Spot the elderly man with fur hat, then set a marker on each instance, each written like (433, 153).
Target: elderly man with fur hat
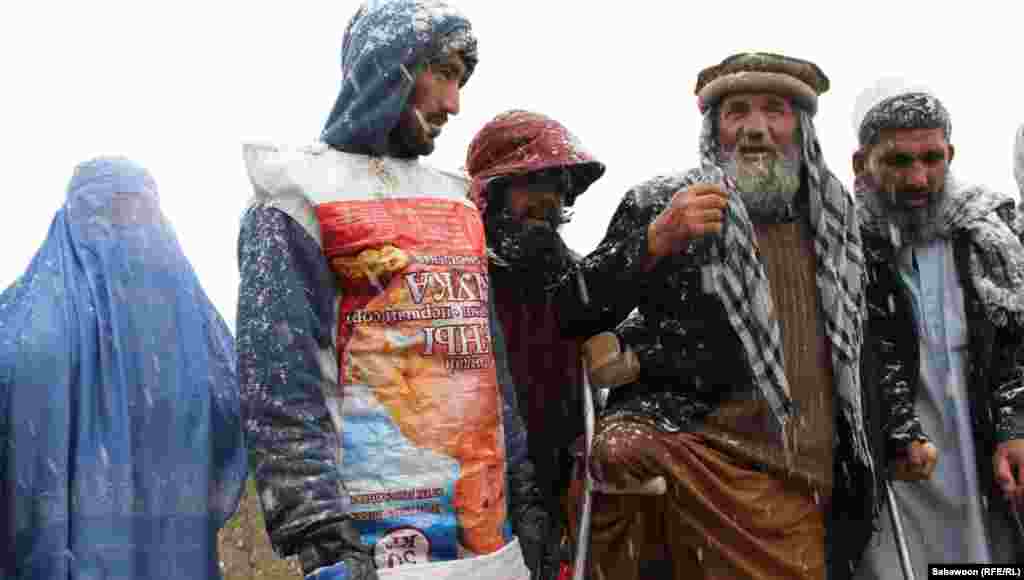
(952, 253)
(749, 285)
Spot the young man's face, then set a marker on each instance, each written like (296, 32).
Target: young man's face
(909, 165)
(435, 96)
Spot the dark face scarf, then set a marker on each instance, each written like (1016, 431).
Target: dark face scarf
(532, 250)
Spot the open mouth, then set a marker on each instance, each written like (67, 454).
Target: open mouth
(756, 153)
(916, 200)
(541, 215)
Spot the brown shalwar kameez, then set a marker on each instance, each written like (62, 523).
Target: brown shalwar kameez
(736, 507)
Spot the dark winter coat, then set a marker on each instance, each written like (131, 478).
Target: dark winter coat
(688, 355)
(995, 368)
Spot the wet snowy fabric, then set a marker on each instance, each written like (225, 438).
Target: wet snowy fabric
(954, 492)
(121, 450)
(740, 281)
(684, 327)
(723, 519)
(524, 261)
(520, 142)
(742, 427)
(406, 378)
(384, 47)
(996, 253)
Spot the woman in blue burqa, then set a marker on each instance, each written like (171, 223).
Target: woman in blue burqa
(121, 450)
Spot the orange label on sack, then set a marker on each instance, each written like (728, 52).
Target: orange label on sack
(414, 341)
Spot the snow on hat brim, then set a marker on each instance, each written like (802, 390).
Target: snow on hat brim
(759, 82)
(884, 88)
(798, 79)
(518, 142)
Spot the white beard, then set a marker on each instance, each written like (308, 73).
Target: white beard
(767, 185)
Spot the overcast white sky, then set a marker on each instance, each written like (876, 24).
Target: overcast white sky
(178, 86)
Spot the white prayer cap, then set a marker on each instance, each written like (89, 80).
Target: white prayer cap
(896, 103)
(884, 88)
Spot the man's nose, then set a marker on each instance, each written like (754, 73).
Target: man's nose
(756, 127)
(450, 98)
(917, 176)
(544, 202)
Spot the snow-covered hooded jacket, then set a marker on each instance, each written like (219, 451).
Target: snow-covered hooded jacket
(307, 407)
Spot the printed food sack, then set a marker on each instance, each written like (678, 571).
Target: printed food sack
(417, 402)
(423, 446)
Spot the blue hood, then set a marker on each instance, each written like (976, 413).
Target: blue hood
(121, 448)
(386, 43)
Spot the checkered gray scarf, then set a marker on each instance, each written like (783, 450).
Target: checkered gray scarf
(735, 273)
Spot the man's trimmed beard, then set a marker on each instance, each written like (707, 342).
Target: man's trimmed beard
(767, 185)
(413, 136)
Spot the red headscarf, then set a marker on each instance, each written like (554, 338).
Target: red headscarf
(518, 142)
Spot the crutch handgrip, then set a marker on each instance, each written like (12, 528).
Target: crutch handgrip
(609, 364)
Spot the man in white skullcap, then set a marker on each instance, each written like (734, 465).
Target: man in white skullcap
(955, 256)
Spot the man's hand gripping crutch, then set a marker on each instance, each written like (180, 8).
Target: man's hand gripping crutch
(605, 365)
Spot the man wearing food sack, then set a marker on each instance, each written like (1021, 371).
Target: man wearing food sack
(748, 282)
(380, 409)
(956, 436)
(527, 170)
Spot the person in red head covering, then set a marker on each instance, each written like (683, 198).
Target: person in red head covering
(527, 170)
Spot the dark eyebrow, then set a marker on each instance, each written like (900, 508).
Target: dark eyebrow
(737, 105)
(451, 62)
(905, 157)
(898, 158)
(460, 66)
(896, 153)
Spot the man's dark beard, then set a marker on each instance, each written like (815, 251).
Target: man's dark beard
(406, 140)
(768, 188)
(534, 251)
(405, 143)
(915, 224)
